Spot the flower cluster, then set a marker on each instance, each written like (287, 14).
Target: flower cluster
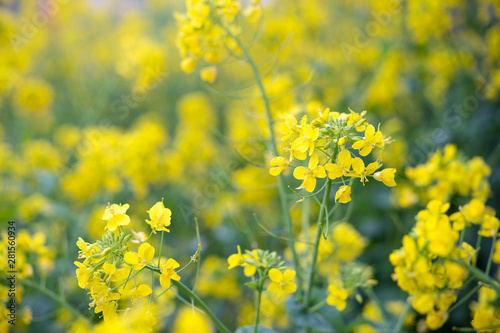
(205, 31)
(431, 264)
(331, 142)
(111, 263)
(267, 265)
(445, 174)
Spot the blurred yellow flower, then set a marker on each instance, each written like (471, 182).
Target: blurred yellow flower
(282, 281)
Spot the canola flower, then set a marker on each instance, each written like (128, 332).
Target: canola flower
(434, 262)
(108, 264)
(329, 135)
(114, 171)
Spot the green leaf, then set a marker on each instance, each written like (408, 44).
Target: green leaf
(249, 329)
(301, 317)
(252, 285)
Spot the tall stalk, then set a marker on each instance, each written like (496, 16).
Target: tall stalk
(273, 147)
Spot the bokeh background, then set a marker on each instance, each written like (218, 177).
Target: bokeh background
(94, 108)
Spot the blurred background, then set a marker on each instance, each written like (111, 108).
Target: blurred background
(94, 108)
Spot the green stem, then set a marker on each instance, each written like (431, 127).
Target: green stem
(465, 298)
(317, 306)
(257, 312)
(402, 317)
(274, 150)
(182, 287)
(161, 247)
(480, 275)
(310, 275)
(56, 298)
(490, 258)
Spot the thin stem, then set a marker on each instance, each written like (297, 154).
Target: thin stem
(490, 258)
(161, 247)
(317, 306)
(465, 298)
(478, 246)
(480, 275)
(182, 287)
(257, 311)
(402, 317)
(324, 207)
(274, 150)
(56, 298)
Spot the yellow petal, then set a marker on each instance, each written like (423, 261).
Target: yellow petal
(146, 252)
(275, 288)
(299, 172)
(358, 166)
(366, 150)
(345, 158)
(288, 275)
(108, 268)
(131, 258)
(290, 287)
(275, 275)
(172, 263)
(371, 168)
(319, 172)
(369, 132)
(313, 162)
(275, 171)
(334, 170)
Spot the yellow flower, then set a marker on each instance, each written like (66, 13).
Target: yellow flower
(188, 65)
(295, 153)
(310, 173)
(168, 273)
(342, 167)
(140, 291)
(209, 74)
(160, 217)
(82, 274)
(386, 176)
(358, 166)
(238, 259)
(483, 318)
(113, 273)
(343, 194)
(423, 303)
(115, 216)
(307, 139)
(34, 97)
(289, 127)
(189, 321)
(355, 118)
(337, 297)
(496, 255)
(435, 320)
(371, 140)
(282, 282)
(138, 260)
(279, 164)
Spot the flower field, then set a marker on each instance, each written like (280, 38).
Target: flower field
(249, 166)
